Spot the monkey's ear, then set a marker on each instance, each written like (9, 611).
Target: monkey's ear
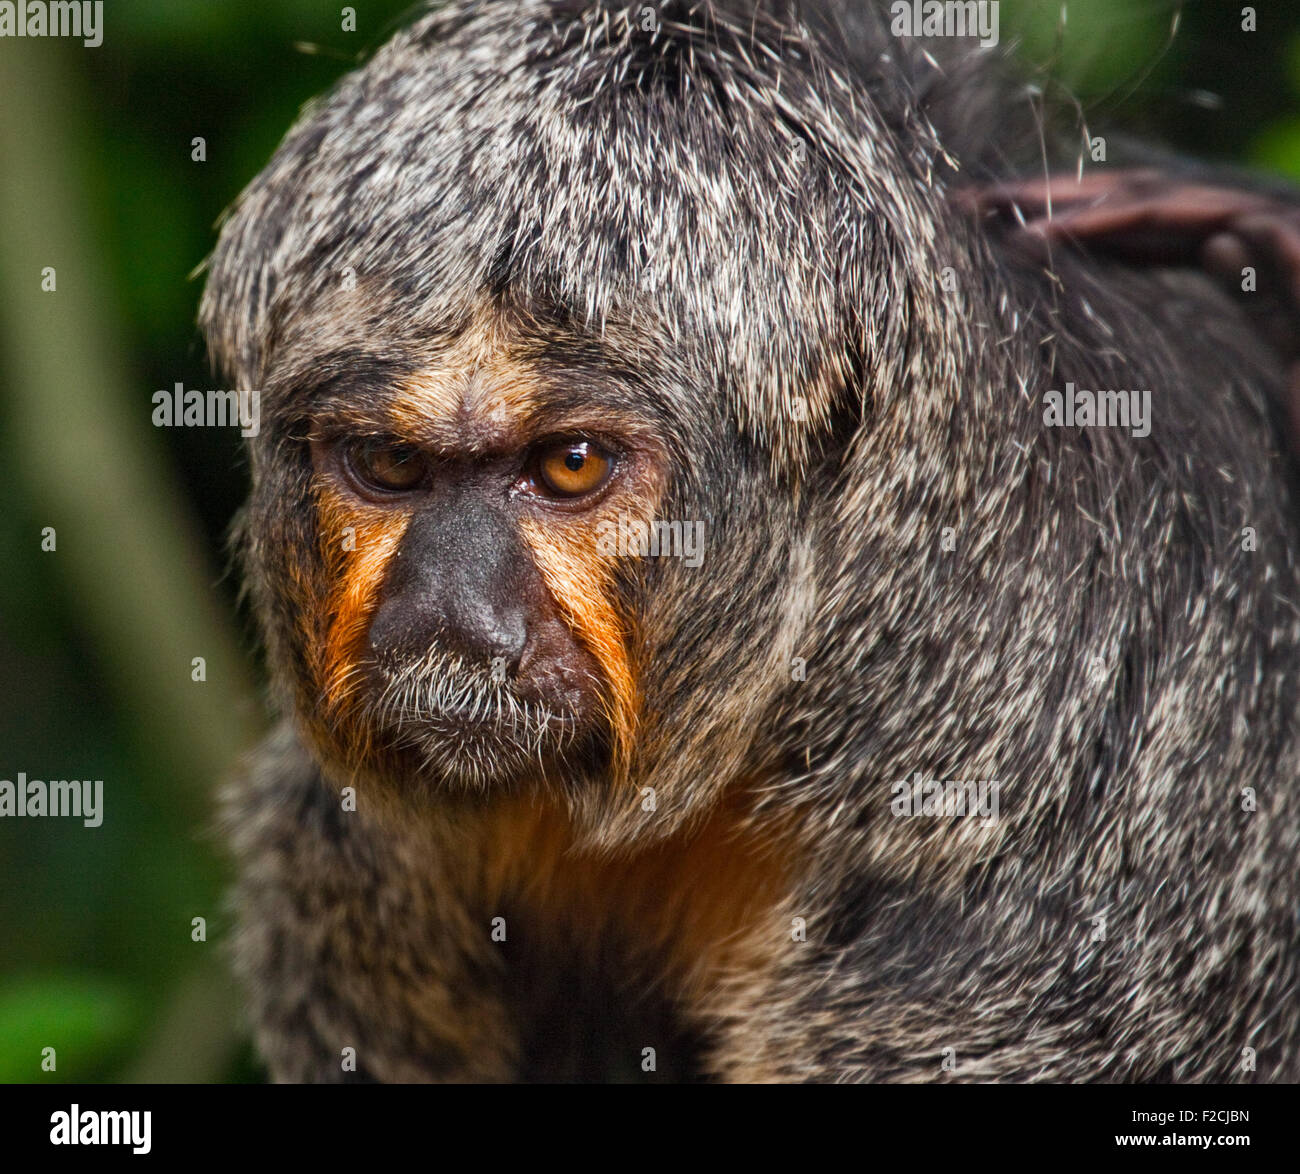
(1247, 239)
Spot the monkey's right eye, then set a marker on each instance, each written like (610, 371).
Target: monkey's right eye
(384, 467)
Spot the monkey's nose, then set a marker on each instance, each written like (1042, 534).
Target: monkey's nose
(486, 633)
(463, 581)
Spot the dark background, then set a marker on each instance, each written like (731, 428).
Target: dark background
(97, 179)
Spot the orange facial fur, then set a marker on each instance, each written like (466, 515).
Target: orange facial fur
(579, 582)
(355, 577)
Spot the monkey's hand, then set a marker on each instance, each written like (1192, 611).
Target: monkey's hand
(1247, 239)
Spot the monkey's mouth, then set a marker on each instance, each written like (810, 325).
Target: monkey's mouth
(495, 717)
(462, 723)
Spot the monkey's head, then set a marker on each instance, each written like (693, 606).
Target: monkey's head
(538, 277)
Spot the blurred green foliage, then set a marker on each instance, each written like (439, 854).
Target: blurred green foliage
(92, 1018)
(95, 938)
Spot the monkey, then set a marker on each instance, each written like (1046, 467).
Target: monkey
(967, 751)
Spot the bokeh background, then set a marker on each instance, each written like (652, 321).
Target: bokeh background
(98, 957)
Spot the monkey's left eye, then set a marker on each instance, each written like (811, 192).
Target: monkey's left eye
(386, 467)
(570, 469)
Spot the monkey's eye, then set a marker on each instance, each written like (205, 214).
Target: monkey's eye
(569, 469)
(386, 467)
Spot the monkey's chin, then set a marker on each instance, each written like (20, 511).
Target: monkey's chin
(478, 755)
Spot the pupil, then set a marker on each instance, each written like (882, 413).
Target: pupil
(574, 461)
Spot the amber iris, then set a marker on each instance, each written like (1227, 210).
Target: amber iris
(572, 468)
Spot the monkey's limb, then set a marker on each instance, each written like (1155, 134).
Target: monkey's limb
(1151, 217)
(354, 937)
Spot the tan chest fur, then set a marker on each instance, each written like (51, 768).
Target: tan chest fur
(701, 911)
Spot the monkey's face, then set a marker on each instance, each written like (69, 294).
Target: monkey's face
(462, 614)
